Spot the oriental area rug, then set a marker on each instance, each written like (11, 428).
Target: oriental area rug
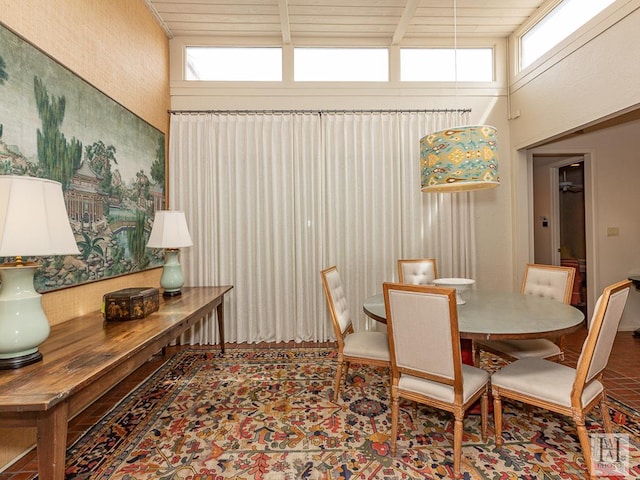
(267, 414)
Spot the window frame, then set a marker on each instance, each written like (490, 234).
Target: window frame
(546, 9)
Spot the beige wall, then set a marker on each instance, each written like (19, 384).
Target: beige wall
(615, 197)
(117, 47)
(589, 80)
(582, 83)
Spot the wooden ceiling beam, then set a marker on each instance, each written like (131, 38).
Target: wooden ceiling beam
(283, 9)
(407, 15)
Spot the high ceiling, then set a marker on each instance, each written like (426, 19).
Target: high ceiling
(352, 22)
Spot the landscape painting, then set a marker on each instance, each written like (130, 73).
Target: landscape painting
(111, 163)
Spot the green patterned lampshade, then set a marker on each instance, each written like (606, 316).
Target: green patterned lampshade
(459, 159)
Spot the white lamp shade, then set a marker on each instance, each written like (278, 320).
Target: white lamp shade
(33, 218)
(169, 230)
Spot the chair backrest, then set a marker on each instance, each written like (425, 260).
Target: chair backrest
(417, 271)
(337, 301)
(549, 281)
(424, 341)
(602, 333)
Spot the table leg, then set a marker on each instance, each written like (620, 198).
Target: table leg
(466, 351)
(52, 442)
(220, 313)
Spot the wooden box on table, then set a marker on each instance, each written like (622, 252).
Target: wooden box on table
(131, 303)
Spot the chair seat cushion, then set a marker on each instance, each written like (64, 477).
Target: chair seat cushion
(538, 347)
(367, 345)
(544, 380)
(474, 379)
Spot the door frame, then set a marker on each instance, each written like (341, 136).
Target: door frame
(554, 170)
(591, 226)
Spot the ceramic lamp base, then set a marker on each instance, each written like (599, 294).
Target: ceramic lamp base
(19, 362)
(172, 279)
(168, 294)
(23, 323)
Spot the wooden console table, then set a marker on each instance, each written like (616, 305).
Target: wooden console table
(83, 358)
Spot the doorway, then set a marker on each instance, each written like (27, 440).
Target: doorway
(561, 217)
(571, 219)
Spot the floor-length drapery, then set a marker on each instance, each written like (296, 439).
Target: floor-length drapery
(273, 198)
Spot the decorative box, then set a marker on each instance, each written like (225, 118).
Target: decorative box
(131, 303)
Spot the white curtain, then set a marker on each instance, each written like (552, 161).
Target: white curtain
(273, 198)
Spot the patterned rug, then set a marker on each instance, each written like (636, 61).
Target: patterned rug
(268, 414)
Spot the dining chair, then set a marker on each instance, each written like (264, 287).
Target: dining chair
(417, 271)
(364, 347)
(568, 391)
(550, 281)
(426, 365)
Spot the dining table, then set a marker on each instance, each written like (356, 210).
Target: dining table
(494, 315)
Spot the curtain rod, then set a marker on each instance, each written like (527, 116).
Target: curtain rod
(235, 112)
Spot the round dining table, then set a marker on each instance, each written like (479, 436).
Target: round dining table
(488, 315)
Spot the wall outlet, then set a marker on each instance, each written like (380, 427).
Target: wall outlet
(613, 231)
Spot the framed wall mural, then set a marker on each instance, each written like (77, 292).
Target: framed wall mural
(110, 162)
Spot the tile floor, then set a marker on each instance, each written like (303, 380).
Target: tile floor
(622, 379)
(622, 375)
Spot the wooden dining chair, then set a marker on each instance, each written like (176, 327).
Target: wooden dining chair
(573, 392)
(550, 281)
(426, 365)
(366, 347)
(417, 271)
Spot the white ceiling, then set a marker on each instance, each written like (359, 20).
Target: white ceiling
(351, 22)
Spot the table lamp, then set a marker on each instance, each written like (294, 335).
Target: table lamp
(171, 233)
(33, 223)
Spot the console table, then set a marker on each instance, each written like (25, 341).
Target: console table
(86, 356)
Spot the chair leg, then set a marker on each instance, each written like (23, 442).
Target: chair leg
(346, 372)
(586, 446)
(497, 417)
(561, 345)
(604, 412)
(484, 412)
(457, 444)
(394, 421)
(338, 380)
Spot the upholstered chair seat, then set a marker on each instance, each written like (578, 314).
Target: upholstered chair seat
(374, 345)
(367, 347)
(473, 381)
(537, 347)
(545, 380)
(572, 392)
